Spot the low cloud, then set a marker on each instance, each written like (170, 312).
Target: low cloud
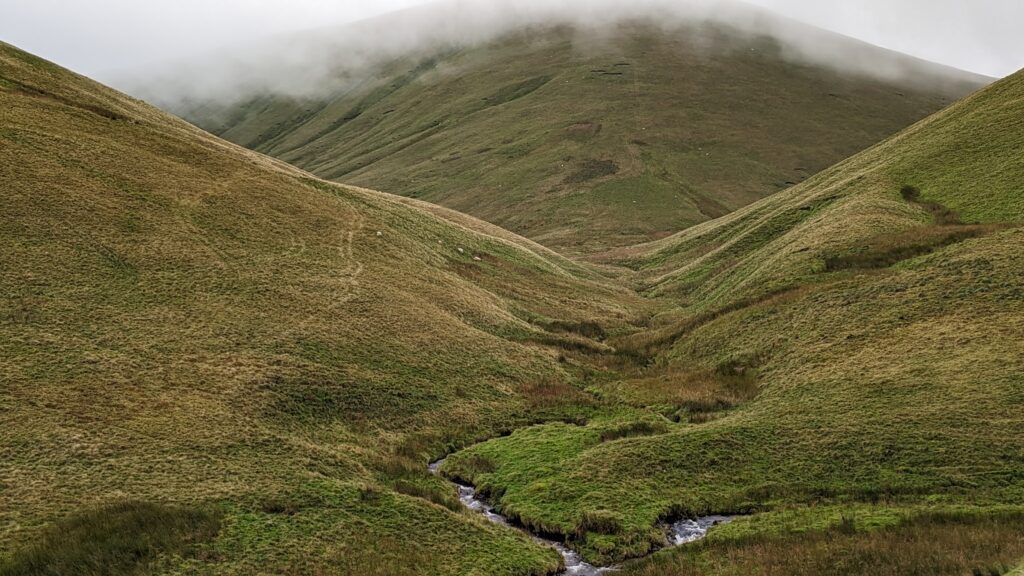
(328, 60)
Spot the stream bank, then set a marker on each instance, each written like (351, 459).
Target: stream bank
(677, 533)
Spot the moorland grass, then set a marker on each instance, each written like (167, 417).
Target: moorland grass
(117, 540)
(932, 544)
(898, 383)
(590, 141)
(183, 321)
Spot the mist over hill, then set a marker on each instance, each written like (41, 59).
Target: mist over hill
(583, 130)
(758, 297)
(319, 62)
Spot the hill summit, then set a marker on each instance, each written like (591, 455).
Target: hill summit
(589, 138)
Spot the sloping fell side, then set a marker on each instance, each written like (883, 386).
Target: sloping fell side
(243, 368)
(586, 140)
(878, 312)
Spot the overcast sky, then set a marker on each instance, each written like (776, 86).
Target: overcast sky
(100, 37)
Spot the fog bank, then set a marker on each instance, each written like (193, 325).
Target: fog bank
(323, 61)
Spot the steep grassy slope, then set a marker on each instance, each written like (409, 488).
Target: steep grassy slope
(964, 158)
(258, 361)
(876, 311)
(589, 140)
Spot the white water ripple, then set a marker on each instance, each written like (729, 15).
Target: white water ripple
(679, 533)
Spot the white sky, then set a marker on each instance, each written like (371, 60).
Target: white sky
(97, 37)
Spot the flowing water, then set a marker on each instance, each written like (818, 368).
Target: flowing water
(678, 533)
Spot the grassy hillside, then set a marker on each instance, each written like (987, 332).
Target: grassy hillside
(853, 340)
(590, 140)
(215, 363)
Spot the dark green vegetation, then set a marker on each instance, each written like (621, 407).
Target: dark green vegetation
(121, 539)
(590, 140)
(265, 362)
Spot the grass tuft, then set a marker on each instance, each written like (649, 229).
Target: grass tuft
(633, 429)
(116, 540)
(599, 522)
(935, 545)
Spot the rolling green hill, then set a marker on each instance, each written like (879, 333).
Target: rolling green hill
(197, 340)
(588, 140)
(852, 344)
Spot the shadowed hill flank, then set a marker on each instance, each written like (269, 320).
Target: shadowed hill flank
(584, 140)
(875, 314)
(187, 323)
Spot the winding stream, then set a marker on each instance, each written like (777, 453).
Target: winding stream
(678, 533)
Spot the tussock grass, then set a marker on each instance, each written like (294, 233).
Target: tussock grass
(929, 544)
(547, 394)
(687, 395)
(440, 496)
(120, 539)
(599, 522)
(591, 330)
(632, 430)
